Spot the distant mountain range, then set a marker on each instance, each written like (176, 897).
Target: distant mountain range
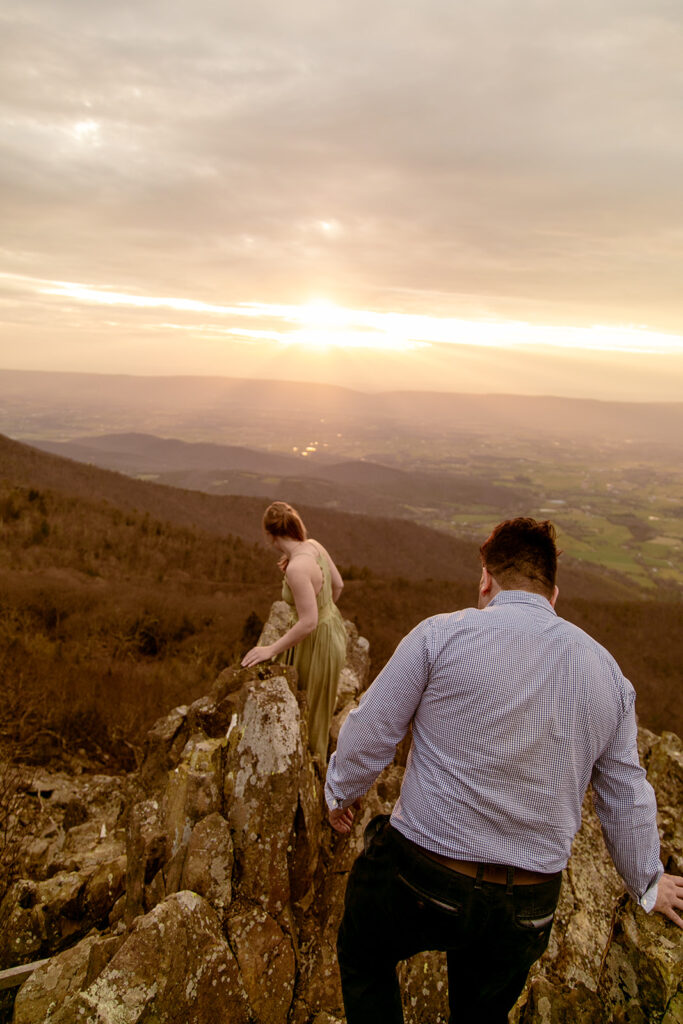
(64, 406)
(352, 485)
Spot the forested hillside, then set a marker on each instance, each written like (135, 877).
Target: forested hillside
(119, 599)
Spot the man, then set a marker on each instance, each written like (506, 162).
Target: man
(514, 712)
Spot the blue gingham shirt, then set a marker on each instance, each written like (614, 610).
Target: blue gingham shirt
(515, 711)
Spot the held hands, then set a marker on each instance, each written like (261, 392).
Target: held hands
(670, 898)
(282, 563)
(342, 819)
(256, 655)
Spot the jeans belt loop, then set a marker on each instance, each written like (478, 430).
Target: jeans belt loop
(479, 876)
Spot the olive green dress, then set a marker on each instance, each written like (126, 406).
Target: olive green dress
(319, 659)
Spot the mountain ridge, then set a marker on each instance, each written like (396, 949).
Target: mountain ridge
(205, 404)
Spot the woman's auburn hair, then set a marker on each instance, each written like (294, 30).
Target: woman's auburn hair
(281, 520)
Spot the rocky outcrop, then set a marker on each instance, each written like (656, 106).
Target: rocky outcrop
(208, 886)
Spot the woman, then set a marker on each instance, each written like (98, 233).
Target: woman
(316, 642)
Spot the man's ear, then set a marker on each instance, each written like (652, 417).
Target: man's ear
(486, 582)
(556, 594)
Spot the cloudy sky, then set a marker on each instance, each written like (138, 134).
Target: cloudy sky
(417, 193)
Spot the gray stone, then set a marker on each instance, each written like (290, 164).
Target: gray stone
(53, 984)
(208, 863)
(174, 966)
(146, 851)
(264, 762)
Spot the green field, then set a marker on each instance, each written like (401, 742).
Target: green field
(625, 516)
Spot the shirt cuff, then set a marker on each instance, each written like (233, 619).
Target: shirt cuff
(649, 898)
(335, 804)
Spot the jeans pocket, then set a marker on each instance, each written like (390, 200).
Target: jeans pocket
(444, 904)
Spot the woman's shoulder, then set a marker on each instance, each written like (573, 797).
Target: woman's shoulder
(306, 557)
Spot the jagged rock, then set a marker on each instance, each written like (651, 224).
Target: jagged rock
(101, 951)
(102, 890)
(553, 1004)
(22, 928)
(643, 970)
(174, 966)
(146, 849)
(194, 790)
(279, 621)
(583, 934)
(210, 717)
(665, 772)
(38, 919)
(77, 823)
(267, 964)
(208, 863)
(357, 656)
(347, 690)
(53, 984)
(86, 846)
(165, 742)
(264, 761)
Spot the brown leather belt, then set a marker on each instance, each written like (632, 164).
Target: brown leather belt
(497, 873)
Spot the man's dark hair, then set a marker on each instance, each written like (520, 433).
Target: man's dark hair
(521, 554)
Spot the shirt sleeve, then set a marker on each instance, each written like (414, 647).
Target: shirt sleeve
(369, 736)
(627, 808)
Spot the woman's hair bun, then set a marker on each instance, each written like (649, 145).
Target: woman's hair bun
(281, 520)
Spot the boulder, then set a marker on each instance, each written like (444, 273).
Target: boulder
(102, 889)
(194, 790)
(38, 919)
(77, 822)
(266, 960)
(357, 656)
(279, 621)
(665, 772)
(22, 926)
(557, 1004)
(262, 781)
(207, 869)
(53, 984)
(165, 742)
(174, 966)
(146, 851)
(642, 976)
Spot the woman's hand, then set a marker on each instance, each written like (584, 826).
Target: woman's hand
(282, 563)
(256, 655)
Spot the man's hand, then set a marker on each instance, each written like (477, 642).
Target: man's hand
(342, 819)
(670, 897)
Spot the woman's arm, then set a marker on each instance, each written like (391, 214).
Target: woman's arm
(299, 576)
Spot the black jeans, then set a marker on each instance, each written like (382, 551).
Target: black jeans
(400, 902)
